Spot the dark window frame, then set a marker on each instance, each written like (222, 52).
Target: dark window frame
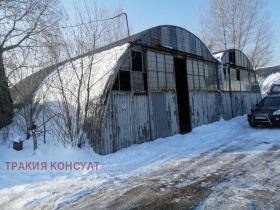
(123, 81)
(137, 61)
(237, 74)
(231, 56)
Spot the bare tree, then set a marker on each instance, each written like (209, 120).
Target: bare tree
(239, 24)
(94, 26)
(21, 22)
(74, 81)
(62, 102)
(116, 28)
(31, 115)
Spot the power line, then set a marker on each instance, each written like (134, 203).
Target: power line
(95, 21)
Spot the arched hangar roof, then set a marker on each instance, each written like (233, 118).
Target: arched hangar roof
(235, 57)
(167, 37)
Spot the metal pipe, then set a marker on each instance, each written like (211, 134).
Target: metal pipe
(123, 13)
(127, 26)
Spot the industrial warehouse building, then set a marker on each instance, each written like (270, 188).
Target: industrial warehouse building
(160, 82)
(238, 86)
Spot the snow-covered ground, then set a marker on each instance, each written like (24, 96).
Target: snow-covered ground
(224, 165)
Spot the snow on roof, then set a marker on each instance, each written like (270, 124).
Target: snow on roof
(17, 139)
(91, 72)
(266, 82)
(219, 56)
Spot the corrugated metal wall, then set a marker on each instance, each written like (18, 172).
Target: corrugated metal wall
(132, 119)
(172, 113)
(238, 103)
(107, 143)
(208, 107)
(159, 115)
(126, 122)
(226, 108)
(127, 119)
(142, 119)
(122, 121)
(164, 114)
(204, 107)
(249, 100)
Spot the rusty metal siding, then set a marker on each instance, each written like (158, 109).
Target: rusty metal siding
(214, 111)
(172, 113)
(159, 115)
(122, 120)
(238, 103)
(141, 119)
(249, 100)
(226, 105)
(131, 119)
(205, 107)
(164, 114)
(199, 112)
(107, 143)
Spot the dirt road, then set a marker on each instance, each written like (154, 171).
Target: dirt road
(224, 165)
(228, 180)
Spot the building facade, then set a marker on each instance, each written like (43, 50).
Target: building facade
(168, 83)
(160, 82)
(239, 88)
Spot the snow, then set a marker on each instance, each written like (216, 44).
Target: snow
(28, 188)
(219, 56)
(265, 83)
(17, 139)
(97, 67)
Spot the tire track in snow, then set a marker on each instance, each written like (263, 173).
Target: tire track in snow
(182, 186)
(254, 184)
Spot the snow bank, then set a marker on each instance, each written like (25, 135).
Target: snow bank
(136, 159)
(71, 185)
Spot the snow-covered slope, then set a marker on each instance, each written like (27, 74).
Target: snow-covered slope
(217, 144)
(94, 70)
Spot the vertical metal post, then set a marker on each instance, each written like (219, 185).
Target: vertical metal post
(126, 19)
(230, 90)
(127, 26)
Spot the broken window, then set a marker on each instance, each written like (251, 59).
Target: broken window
(137, 80)
(136, 61)
(116, 85)
(138, 76)
(122, 81)
(160, 71)
(237, 74)
(232, 57)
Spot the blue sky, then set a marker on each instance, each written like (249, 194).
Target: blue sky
(184, 13)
